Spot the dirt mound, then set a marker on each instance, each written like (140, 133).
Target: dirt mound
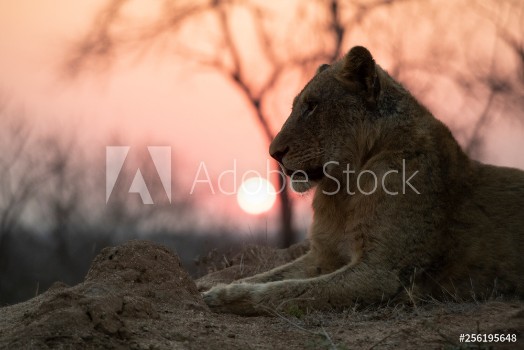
(146, 270)
(137, 296)
(125, 284)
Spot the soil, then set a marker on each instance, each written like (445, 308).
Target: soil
(137, 296)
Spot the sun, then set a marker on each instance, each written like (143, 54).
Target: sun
(256, 195)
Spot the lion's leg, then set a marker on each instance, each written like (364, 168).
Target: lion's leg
(338, 289)
(303, 267)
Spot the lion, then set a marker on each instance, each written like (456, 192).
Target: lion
(400, 211)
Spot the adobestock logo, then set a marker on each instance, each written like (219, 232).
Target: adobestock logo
(161, 158)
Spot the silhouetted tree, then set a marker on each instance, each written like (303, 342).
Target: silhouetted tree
(22, 175)
(279, 53)
(53, 214)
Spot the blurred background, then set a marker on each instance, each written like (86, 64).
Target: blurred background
(214, 81)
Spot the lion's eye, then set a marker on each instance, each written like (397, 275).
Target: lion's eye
(309, 109)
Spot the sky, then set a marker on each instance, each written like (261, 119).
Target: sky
(163, 99)
(160, 100)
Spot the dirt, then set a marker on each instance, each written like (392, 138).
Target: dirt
(137, 296)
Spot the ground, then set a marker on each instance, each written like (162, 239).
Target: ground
(138, 296)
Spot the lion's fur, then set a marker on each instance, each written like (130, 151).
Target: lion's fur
(461, 236)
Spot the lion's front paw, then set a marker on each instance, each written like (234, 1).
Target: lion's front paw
(203, 285)
(235, 298)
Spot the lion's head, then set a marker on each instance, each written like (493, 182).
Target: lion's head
(324, 117)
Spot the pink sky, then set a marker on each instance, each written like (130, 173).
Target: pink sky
(197, 112)
(159, 100)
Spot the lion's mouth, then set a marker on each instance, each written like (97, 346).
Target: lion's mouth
(314, 174)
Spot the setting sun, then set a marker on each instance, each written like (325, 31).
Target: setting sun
(256, 195)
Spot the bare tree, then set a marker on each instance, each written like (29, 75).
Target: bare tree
(22, 174)
(325, 22)
(51, 193)
(496, 80)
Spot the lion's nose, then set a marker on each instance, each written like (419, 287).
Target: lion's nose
(278, 154)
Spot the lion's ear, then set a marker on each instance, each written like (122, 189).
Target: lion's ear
(322, 68)
(359, 67)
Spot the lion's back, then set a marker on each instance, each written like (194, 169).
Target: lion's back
(490, 229)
